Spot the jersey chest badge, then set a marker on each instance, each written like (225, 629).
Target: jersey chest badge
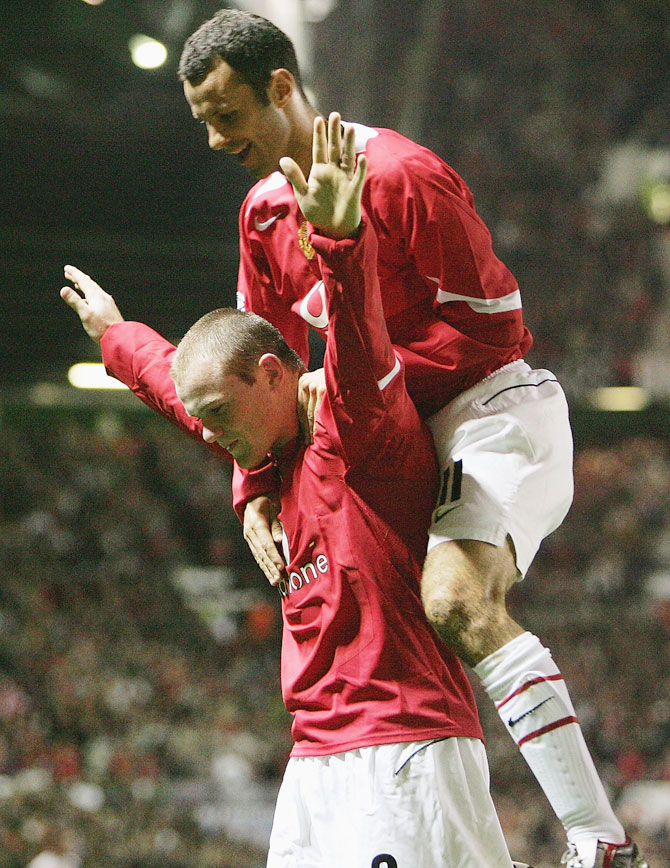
(303, 241)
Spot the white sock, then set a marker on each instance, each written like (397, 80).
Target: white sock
(533, 702)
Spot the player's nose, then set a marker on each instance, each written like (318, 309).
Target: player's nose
(215, 139)
(210, 435)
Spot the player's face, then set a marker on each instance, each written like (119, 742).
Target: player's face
(242, 417)
(238, 122)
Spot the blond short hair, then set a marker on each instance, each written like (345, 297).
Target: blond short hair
(234, 340)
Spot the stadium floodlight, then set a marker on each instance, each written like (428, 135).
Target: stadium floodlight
(146, 52)
(92, 375)
(658, 203)
(619, 398)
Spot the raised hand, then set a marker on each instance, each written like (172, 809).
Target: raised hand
(331, 197)
(96, 308)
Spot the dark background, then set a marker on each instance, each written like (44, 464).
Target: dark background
(103, 166)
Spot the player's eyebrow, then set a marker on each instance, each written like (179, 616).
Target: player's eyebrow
(216, 404)
(223, 107)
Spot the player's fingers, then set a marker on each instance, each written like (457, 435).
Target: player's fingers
(267, 557)
(294, 174)
(73, 271)
(277, 530)
(312, 407)
(268, 570)
(359, 175)
(255, 546)
(348, 158)
(76, 275)
(319, 145)
(68, 294)
(81, 280)
(334, 138)
(303, 418)
(72, 298)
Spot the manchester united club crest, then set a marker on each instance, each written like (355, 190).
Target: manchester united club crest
(303, 241)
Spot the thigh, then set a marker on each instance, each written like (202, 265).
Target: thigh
(471, 570)
(505, 451)
(417, 805)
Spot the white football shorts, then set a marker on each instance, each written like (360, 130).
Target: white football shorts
(505, 452)
(422, 804)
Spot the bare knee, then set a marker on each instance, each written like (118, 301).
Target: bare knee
(463, 589)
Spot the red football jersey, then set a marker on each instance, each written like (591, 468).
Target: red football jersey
(360, 664)
(452, 308)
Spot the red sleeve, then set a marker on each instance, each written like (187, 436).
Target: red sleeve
(363, 375)
(429, 211)
(139, 357)
(470, 320)
(248, 484)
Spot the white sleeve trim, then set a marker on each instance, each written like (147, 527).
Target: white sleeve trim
(383, 383)
(511, 301)
(272, 182)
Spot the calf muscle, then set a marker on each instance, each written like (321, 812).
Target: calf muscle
(463, 589)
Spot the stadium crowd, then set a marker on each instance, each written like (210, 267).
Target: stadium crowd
(537, 110)
(128, 722)
(134, 732)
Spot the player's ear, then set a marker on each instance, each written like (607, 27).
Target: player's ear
(272, 367)
(281, 87)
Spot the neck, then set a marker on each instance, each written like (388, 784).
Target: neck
(292, 437)
(300, 146)
(285, 454)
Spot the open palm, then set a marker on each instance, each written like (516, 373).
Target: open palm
(331, 197)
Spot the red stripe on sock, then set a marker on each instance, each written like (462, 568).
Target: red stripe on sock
(611, 851)
(548, 728)
(557, 677)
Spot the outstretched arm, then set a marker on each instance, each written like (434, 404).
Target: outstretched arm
(359, 361)
(132, 352)
(331, 200)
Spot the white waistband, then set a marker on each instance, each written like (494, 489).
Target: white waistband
(510, 367)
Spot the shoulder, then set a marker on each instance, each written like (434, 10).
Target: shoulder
(398, 166)
(388, 150)
(265, 197)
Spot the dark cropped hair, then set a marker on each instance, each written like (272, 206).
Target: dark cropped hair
(249, 43)
(233, 340)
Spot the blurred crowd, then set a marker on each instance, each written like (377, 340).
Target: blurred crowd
(556, 114)
(136, 732)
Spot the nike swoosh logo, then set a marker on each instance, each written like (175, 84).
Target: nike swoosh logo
(265, 224)
(512, 723)
(441, 511)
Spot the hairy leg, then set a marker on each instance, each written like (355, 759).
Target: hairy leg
(463, 588)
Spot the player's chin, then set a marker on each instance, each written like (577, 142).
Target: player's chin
(247, 461)
(259, 172)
